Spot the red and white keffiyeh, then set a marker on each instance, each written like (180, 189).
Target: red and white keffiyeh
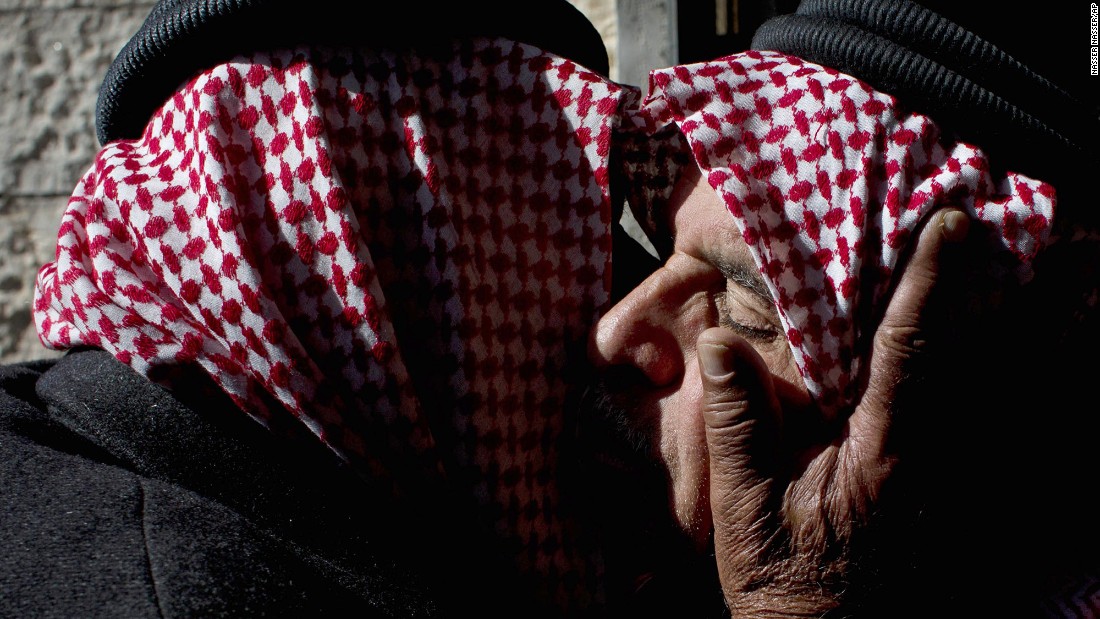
(396, 251)
(393, 250)
(827, 179)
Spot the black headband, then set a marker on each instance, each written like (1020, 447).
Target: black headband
(180, 37)
(1025, 121)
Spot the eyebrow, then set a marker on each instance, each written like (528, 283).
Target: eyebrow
(747, 278)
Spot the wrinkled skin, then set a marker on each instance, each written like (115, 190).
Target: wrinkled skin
(752, 470)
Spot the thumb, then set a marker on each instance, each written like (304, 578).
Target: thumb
(741, 414)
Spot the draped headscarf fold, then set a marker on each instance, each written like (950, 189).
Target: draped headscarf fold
(390, 252)
(827, 179)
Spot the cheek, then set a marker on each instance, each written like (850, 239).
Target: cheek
(683, 449)
(682, 428)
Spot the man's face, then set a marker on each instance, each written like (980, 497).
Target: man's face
(644, 347)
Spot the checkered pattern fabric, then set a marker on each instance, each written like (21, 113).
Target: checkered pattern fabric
(393, 251)
(827, 179)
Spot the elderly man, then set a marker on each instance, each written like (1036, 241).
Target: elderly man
(747, 367)
(327, 304)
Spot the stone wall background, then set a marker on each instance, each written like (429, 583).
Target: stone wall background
(53, 55)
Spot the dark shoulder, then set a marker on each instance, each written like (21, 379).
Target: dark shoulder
(72, 524)
(24, 416)
(93, 526)
(17, 382)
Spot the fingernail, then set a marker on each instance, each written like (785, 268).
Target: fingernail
(955, 225)
(717, 359)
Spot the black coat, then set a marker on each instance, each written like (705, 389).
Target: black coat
(117, 499)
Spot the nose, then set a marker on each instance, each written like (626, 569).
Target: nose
(647, 329)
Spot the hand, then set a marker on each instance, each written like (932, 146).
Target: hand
(786, 512)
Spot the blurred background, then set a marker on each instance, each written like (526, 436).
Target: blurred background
(54, 53)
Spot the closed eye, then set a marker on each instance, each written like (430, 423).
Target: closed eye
(745, 321)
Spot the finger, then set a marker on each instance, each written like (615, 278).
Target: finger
(901, 339)
(741, 414)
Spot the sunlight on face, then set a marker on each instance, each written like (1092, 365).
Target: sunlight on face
(710, 279)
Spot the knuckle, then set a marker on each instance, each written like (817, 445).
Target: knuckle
(904, 341)
(726, 412)
(726, 395)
